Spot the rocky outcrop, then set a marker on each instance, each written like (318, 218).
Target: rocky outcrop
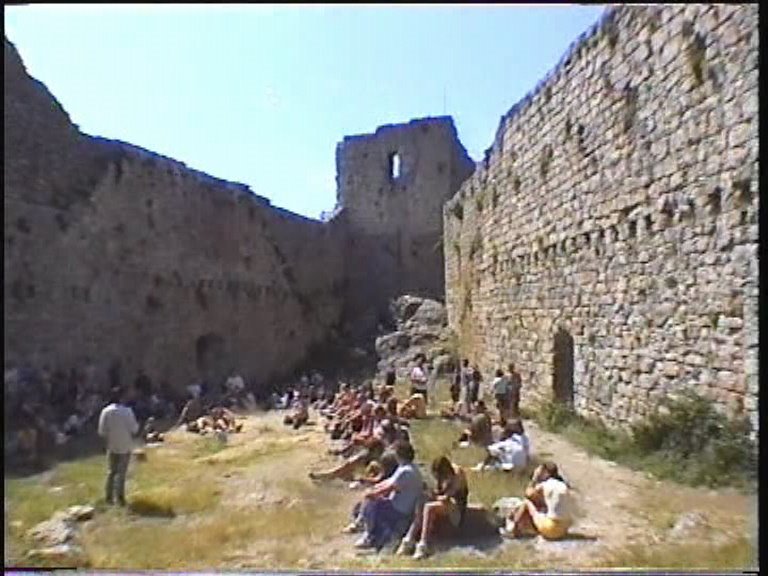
(421, 327)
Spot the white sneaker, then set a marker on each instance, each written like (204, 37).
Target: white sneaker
(406, 547)
(364, 541)
(352, 528)
(478, 467)
(421, 551)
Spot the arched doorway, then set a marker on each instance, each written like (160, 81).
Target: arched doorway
(562, 377)
(211, 358)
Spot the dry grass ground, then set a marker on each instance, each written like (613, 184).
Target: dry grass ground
(194, 504)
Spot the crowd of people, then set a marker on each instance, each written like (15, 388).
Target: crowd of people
(373, 439)
(369, 427)
(46, 410)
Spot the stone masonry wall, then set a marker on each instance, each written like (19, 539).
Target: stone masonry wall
(113, 253)
(394, 221)
(619, 204)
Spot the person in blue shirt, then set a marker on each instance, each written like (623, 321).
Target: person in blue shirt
(390, 504)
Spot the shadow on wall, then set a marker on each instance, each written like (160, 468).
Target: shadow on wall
(210, 353)
(562, 377)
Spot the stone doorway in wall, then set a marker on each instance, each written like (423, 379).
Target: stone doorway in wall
(562, 377)
(210, 352)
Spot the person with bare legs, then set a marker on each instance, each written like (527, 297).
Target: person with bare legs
(447, 508)
(547, 508)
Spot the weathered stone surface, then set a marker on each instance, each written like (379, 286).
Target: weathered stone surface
(422, 330)
(52, 532)
(689, 524)
(69, 555)
(103, 237)
(641, 186)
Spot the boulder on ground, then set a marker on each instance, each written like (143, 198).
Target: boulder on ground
(79, 513)
(53, 532)
(61, 555)
(421, 329)
(688, 524)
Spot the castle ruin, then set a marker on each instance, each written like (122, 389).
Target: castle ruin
(608, 243)
(122, 259)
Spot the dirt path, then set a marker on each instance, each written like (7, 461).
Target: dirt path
(620, 506)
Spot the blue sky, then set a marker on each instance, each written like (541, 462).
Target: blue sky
(261, 94)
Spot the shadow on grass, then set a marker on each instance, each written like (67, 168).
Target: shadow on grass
(479, 530)
(149, 508)
(581, 536)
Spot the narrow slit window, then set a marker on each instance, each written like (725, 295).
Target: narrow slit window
(394, 166)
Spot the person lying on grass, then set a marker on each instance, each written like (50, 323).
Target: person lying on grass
(385, 436)
(345, 471)
(547, 508)
(511, 452)
(445, 510)
(390, 504)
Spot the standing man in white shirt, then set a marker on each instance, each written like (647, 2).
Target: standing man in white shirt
(419, 377)
(118, 426)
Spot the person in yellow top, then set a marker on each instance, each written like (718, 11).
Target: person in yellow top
(547, 508)
(414, 407)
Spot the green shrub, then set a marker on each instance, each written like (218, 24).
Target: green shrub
(554, 416)
(686, 440)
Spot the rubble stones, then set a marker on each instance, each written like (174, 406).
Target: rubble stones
(57, 536)
(69, 555)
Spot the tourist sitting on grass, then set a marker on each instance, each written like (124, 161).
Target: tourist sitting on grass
(354, 428)
(479, 433)
(391, 504)
(445, 508)
(193, 408)
(339, 401)
(511, 452)
(150, 432)
(299, 415)
(414, 408)
(371, 430)
(377, 471)
(362, 457)
(371, 422)
(392, 411)
(546, 509)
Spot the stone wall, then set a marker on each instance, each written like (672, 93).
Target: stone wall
(113, 253)
(609, 239)
(394, 220)
(118, 255)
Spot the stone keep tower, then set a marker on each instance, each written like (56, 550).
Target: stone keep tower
(391, 188)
